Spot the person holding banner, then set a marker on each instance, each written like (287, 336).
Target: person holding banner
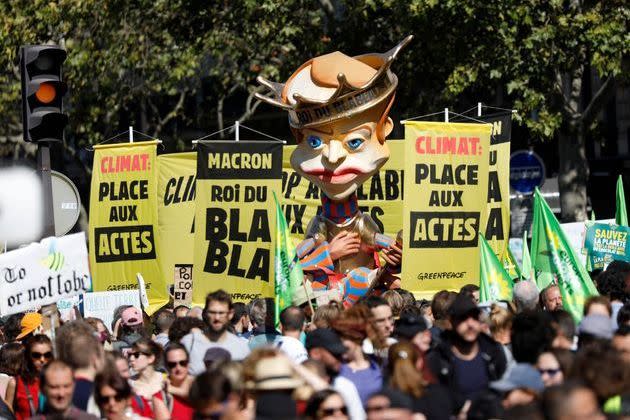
(338, 111)
(37, 354)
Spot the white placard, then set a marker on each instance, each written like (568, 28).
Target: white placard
(102, 305)
(42, 273)
(575, 235)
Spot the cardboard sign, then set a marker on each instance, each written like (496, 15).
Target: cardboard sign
(44, 272)
(102, 305)
(605, 243)
(182, 281)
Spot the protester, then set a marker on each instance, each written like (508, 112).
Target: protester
(326, 405)
(121, 363)
(147, 382)
(131, 329)
(178, 381)
(12, 327)
(163, 320)
(37, 354)
(325, 346)
(326, 314)
(114, 397)
(382, 318)
(472, 291)
(215, 356)
(549, 368)
(57, 386)
(103, 335)
(564, 330)
(11, 361)
(611, 284)
(181, 311)
(500, 321)
(621, 342)
(521, 385)
(395, 301)
(212, 397)
(440, 304)
(623, 316)
(571, 401)
(598, 305)
(551, 298)
(404, 374)
(262, 318)
(532, 334)
(525, 295)
(240, 324)
(466, 361)
(353, 327)
(292, 326)
(594, 328)
(414, 329)
(389, 404)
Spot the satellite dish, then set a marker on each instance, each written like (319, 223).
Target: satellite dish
(66, 203)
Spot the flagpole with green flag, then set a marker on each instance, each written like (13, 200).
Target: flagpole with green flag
(527, 271)
(510, 265)
(288, 271)
(621, 215)
(555, 261)
(494, 282)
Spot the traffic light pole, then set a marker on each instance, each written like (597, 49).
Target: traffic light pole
(44, 168)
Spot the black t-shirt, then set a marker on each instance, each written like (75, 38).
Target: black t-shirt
(83, 389)
(436, 403)
(471, 376)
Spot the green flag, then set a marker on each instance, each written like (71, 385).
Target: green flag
(555, 261)
(494, 282)
(526, 270)
(288, 271)
(510, 265)
(621, 215)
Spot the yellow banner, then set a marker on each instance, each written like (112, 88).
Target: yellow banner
(176, 214)
(380, 196)
(123, 220)
(235, 218)
(446, 187)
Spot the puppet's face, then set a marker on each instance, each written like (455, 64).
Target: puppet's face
(339, 157)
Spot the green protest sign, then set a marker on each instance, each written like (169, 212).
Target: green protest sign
(605, 243)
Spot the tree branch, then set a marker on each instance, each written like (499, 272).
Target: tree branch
(172, 114)
(599, 100)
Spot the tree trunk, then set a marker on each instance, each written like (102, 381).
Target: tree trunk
(573, 172)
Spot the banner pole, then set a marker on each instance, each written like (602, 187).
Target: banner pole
(479, 109)
(130, 134)
(237, 130)
(445, 115)
(310, 303)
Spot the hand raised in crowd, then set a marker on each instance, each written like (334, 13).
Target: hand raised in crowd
(393, 255)
(343, 244)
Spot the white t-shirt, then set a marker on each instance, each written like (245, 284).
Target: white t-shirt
(350, 395)
(293, 348)
(197, 344)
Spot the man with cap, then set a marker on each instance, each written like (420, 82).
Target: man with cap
(31, 324)
(325, 346)
(521, 385)
(466, 360)
(594, 327)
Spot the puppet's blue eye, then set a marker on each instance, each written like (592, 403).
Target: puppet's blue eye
(354, 143)
(314, 141)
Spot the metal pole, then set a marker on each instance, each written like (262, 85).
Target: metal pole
(43, 167)
(131, 134)
(237, 130)
(445, 115)
(479, 109)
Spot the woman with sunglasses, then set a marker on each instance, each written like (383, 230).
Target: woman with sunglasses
(37, 354)
(114, 396)
(178, 381)
(147, 382)
(326, 405)
(550, 369)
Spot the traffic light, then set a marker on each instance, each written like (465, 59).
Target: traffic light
(42, 92)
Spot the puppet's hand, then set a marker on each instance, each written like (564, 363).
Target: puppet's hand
(393, 255)
(343, 244)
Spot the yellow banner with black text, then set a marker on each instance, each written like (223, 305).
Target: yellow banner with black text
(446, 187)
(235, 218)
(123, 220)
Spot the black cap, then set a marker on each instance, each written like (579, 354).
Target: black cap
(408, 326)
(463, 307)
(326, 339)
(275, 405)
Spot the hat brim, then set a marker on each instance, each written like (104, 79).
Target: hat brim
(25, 333)
(277, 383)
(503, 385)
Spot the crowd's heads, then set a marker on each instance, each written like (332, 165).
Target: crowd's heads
(38, 352)
(439, 308)
(218, 311)
(215, 356)
(564, 329)
(11, 359)
(472, 291)
(404, 367)
(389, 404)
(210, 394)
(594, 327)
(413, 328)
(261, 312)
(144, 353)
(525, 295)
(181, 311)
(325, 314)
(292, 319)
(131, 317)
(275, 373)
(382, 315)
(326, 346)
(500, 321)
(326, 404)
(621, 342)
(550, 369)
(57, 383)
(551, 298)
(112, 393)
(532, 334)
(598, 305)
(163, 319)
(182, 326)
(612, 284)
(78, 346)
(521, 385)
(176, 362)
(570, 401)
(30, 324)
(464, 318)
(395, 301)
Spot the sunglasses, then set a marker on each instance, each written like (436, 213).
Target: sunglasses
(550, 372)
(137, 354)
(182, 363)
(104, 399)
(332, 410)
(37, 355)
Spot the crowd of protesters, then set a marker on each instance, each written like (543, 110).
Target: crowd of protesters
(386, 357)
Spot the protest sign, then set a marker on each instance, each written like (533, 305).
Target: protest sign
(495, 221)
(182, 281)
(123, 220)
(235, 219)
(575, 232)
(381, 196)
(42, 273)
(176, 213)
(605, 243)
(102, 305)
(446, 186)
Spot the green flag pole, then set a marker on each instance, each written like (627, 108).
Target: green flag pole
(621, 215)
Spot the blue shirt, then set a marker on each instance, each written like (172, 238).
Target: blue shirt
(471, 376)
(367, 381)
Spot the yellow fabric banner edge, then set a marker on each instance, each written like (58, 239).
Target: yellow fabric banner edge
(128, 144)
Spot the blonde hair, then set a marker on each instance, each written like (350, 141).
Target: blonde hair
(500, 319)
(395, 301)
(326, 314)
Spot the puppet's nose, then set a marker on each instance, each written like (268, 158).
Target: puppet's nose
(335, 151)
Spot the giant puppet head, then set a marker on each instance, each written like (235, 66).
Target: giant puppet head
(338, 111)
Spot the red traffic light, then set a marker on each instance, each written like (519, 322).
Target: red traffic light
(46, 93)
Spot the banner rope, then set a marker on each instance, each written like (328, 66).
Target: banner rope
(195, 141)
(90, 148)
